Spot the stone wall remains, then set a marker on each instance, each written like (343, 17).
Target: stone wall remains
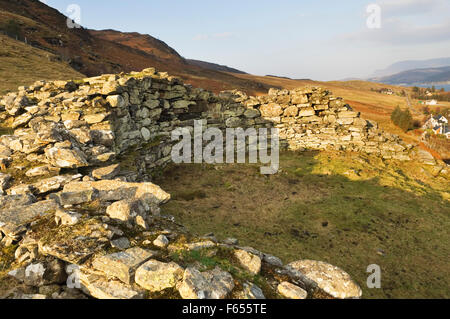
(111, 117)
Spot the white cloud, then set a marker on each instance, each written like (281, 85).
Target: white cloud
(203, 37)
(392, 8)
(399, 32)
(406, 22)
(223, 35)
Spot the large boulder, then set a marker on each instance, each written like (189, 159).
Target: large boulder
(330, 279)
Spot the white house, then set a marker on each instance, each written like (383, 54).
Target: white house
(387, 91)
(431, 102)
(439, 125)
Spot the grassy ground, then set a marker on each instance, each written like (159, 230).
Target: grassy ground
(346, 209)
(21, 64)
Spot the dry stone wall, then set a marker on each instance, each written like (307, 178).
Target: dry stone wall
(98, 120)
(311, 118)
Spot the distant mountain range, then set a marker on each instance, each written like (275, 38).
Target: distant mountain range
(419, 76)
(411, 65)
(415, 72)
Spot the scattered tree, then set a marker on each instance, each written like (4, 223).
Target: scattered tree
(402, 119)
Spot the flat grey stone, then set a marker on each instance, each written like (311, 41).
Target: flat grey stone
(122, 265)
(13, 221)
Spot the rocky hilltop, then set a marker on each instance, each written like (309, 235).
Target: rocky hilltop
(78, 206)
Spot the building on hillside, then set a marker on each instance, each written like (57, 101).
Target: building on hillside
(438, 124)
(431, 102)
(387, 91)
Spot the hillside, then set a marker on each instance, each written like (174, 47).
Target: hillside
(142, 42)
(21, 64)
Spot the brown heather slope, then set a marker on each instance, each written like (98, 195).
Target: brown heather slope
(142, 42)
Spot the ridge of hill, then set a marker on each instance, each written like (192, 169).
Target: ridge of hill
(142, 42)
(214, 66)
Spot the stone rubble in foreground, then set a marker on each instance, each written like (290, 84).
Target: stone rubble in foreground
(85, 222)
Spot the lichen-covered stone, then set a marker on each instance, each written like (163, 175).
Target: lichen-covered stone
(161, 241)
(213, 284)
(331, 279)
(291, 291)
(156, 276)
(101, 288)
(249, 261)
(126, 210)
(122, 265)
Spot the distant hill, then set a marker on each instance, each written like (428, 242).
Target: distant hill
(214, 66)
(410, 65)
(280, 77)
(417, 76)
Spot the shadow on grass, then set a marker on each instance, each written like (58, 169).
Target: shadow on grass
(301, 213)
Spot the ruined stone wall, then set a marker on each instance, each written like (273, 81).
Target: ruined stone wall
(311, 118)
(130, 117)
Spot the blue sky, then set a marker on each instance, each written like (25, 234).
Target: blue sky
(318, 39)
